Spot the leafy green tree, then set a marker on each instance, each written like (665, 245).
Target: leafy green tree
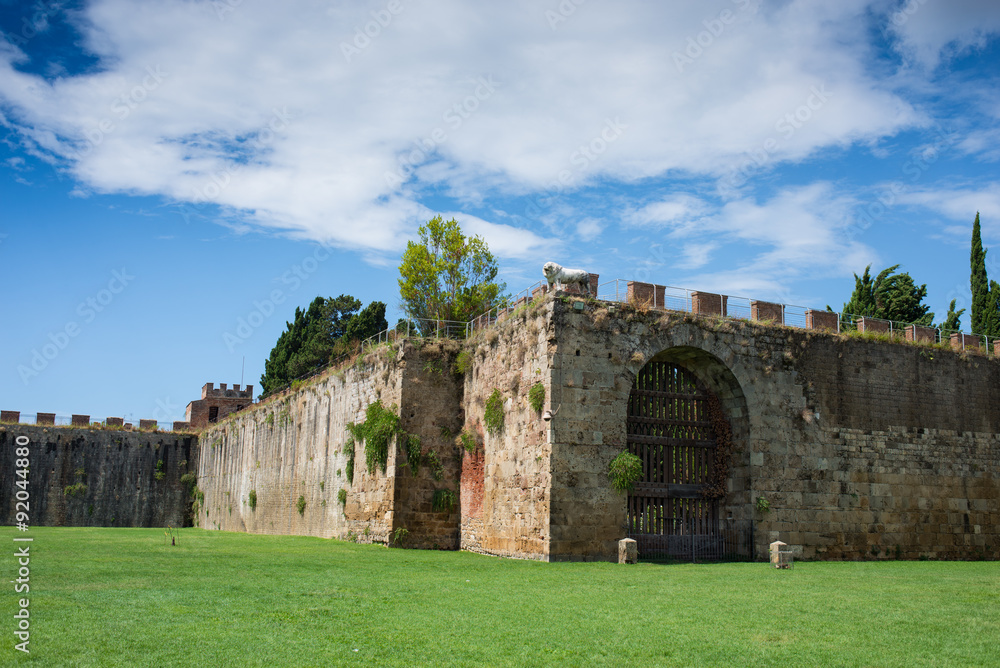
(321, 332)
(952, 321)
(889, 296)
(448, 276)
(367, 323)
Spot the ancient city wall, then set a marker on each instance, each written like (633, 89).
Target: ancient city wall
(852, 448)
(858, 446)
(506, 481)
(296, 446)
(256, 465)
(91, 477)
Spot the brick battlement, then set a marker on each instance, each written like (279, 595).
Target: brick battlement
(224, 391)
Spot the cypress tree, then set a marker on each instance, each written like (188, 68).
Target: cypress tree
(981, 311)
(992, 328)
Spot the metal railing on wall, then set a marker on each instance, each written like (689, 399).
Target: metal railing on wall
(680, 299)
(618, 290)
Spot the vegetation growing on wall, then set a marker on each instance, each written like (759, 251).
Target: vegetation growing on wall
(437, 468)
(444, 500)
(399, 536)
(300, 505)
(380, 426)
(252, 499)
(76, 489)
(413, 453)
(463, 362)
(536, 396)
(624, 471)
(349, 446)
(468, 441)
(342, 496)
(493, 415)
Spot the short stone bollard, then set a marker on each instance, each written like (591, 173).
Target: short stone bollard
(628, 552)
(780, 558)
(774, 549)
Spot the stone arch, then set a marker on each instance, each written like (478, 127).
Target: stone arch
(718, 378)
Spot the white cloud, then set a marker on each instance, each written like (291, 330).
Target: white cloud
(928, 30)
(800, 233)
(589, 229)
(261, 112)
(675, 211)
(961, 205)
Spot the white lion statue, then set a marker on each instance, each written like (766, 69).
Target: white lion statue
(557, 274)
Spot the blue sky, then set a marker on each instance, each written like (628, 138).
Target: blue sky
(170, 168)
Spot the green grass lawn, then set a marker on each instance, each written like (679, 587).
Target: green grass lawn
(122, 597)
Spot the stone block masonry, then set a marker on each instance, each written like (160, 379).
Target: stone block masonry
(90, 477)
(863, 448)
(297, 446)
(859, 446)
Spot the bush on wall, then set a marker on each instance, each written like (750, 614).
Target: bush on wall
(493, 416)
(624, 471)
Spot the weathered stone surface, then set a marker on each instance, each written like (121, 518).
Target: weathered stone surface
(863, 449)
(627, 551)
(774, 550)
(113, 475)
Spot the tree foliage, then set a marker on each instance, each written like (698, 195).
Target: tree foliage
(985, 311)
(952, 321)
(323, 331)
(980, 312)
(448, 276)
(889, 296)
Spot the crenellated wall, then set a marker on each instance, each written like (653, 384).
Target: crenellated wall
(862, 448)
(92, 477)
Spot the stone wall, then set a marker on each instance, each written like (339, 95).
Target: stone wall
(862, 448)
(294, 445)
(506, 482)
(116, 478)
(858, 445)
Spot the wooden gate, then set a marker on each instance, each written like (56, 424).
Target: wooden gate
(670, 431)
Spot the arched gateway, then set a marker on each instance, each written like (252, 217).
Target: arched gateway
(676, 427)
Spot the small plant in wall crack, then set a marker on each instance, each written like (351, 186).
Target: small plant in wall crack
(437, 468)
(301, 505)
(536, 397)
(624, 471)
(444, 500)
(493, 415)
(763, 505)
(342, 497)
(413, 453)
(399, 536)
(468, 442)
(253, 499)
